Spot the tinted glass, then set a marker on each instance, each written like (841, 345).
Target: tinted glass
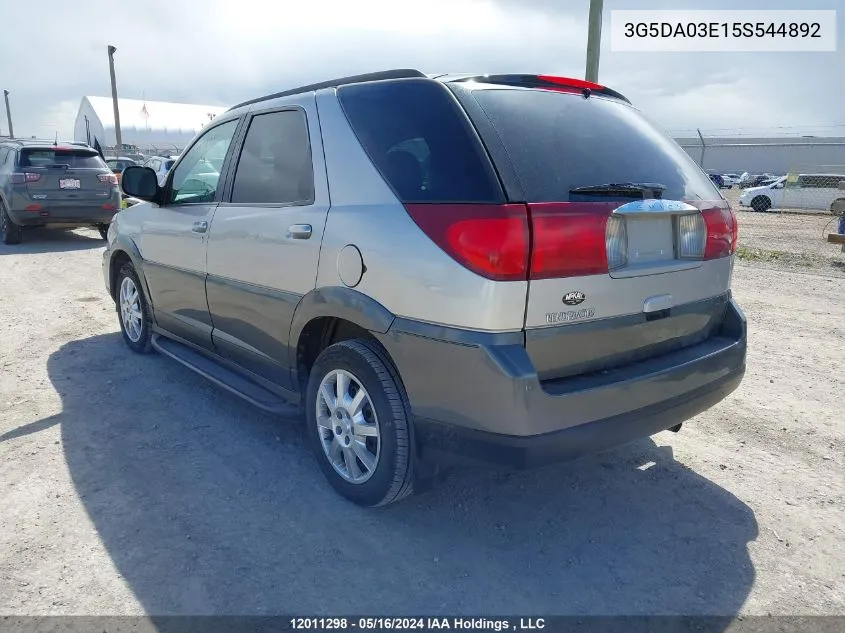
(168, 164)
(275, 162)
(419, 138)
(559, 141)
(73, 158)
(195, 180)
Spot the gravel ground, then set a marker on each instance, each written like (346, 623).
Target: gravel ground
(791, 240)
(130, 485)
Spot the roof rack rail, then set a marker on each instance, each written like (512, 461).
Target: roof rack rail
(403, 73)
(549, 82)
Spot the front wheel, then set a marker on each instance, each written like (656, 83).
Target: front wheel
(359, 422)
(133, 310)
(10, 232)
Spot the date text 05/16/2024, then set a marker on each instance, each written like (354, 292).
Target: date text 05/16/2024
(416, 624)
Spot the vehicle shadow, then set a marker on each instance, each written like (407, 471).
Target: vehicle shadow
(46, 240)
(207, 506)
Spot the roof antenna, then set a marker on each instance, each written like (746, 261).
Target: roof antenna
(56, 139)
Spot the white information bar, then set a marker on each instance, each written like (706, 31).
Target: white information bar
(722, 31)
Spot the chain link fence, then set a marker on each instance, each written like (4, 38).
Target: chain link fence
(142, 152)
(786, 192)
(785, 222)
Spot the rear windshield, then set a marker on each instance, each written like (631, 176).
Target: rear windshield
(419, 138)
(73, 158)
(559, 142)
(168, 164)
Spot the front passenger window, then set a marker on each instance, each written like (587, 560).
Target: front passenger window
(195, 179)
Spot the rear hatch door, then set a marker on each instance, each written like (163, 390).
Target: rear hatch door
(631, 241)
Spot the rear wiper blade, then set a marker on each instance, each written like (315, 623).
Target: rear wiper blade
(621, 188)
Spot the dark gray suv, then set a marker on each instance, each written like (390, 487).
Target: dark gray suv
(46, 184)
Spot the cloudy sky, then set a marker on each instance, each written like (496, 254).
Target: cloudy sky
(218, 52)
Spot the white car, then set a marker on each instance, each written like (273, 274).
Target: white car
(818, 192)
(161, 166)
(730, 180)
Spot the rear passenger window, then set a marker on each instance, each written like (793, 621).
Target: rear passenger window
(419, 138)
(275, 162)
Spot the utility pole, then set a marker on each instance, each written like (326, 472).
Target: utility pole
(9, 114)
(117, 135)
(594, 41)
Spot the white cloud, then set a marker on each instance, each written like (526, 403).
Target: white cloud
(221, 52)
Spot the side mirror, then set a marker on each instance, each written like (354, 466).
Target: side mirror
(140, 182)
(842, 184)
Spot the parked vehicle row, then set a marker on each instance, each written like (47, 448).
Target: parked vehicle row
(482, 283)
(730, 180)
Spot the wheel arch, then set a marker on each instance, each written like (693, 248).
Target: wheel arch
(328, 315)
(125, 250)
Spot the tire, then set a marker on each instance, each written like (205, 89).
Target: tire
(9, 231)
(390, 477)
(761, 204)
(104, 230)
(138, 340)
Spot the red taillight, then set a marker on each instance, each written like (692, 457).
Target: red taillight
(108, 178)
(33, 207)
(108, 206)
(22, 179)
(722, 231)
(488, 239)
(569, 239)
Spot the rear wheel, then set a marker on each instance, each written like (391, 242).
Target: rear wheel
(761, 204)
(9, 231)
(103, 229)
(133, 310)
(359, 423)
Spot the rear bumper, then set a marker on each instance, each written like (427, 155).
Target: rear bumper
(71, 216)
(444, 440)
(477, 395)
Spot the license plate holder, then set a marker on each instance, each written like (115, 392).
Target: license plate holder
(70, 183)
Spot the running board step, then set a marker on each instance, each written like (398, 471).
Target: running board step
(242, 387)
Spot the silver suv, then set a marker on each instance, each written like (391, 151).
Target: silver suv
(517, 268)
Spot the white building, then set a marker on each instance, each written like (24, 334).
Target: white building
(146, 124)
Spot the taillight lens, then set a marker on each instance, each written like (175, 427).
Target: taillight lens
(490, 240)
(108, 178)
(690, 236)
(722, 232)
(22, 179)
(571, 239)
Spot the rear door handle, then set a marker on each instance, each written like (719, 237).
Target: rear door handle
(200, 227)
(299, 231)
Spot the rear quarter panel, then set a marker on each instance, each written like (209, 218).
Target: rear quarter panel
(405, 271)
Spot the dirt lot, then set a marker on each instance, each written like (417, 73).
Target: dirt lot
(130, 485)
(788, 240)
